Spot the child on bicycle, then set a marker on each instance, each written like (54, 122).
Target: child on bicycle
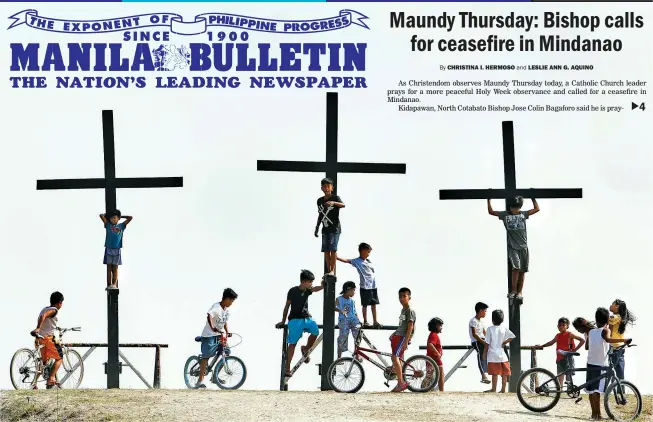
(598, 346)
(299, 319)
(347, 317)
(434, 351)
(46, 325)
(113, 244)
(215, 331)
(515, 224)
(620, 318)
(564, 341)
(497, 337)
(369, 295)
(400, 339)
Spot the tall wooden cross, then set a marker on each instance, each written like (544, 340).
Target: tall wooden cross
(510, 191)
(110, 183)
(331, 167)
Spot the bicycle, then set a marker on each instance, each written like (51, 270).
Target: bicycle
(27, 366)
(419, 371)
(551, 389)
(221, 369)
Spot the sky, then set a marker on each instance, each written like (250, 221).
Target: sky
(231, 226)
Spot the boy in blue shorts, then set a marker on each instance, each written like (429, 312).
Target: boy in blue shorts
(299, 320)
(113, 244)
(328, 207)
(215, 330)
(369, 296)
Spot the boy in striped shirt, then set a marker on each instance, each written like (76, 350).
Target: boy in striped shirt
(369, 296)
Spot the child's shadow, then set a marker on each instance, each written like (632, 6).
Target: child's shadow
(541, 415)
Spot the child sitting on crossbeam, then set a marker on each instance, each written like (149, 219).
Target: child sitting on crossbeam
(299, 319)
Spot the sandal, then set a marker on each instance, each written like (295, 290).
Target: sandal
(400, 387)
(377, 325)
(366, 325)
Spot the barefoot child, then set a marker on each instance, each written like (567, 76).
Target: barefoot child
(347, 316)
(401, 337)
(113, 244)
(434, 349)
(564, 342)
(46, 325)
(328, 207)
(598, 346)
(369, 296)
(497, 338)
(620, 318)
(477, 336)
(215, 330)
(299, 320)
(515, 223)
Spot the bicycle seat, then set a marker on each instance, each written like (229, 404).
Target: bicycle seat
(570, 353)
(198, 339)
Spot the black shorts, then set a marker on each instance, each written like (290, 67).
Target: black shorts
(594, 371)
(369, 297)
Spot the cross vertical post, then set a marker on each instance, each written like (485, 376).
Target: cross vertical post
(110, 184)
(329, 293)
(331, 167)
(110, 199)
(510, 191)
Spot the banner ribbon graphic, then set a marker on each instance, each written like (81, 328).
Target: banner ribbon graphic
(199, 25)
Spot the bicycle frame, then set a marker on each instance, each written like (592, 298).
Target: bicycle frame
(360, 351)
(606, 372)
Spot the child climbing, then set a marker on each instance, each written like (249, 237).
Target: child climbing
(515, 223)
(113, 244)
(367, 276)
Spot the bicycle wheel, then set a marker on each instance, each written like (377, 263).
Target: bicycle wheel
(23, 369)
(535, 386)
(71, 371)
(230, 373)
(622, 404)
(421, 373)
(346, 375)
(192, 372)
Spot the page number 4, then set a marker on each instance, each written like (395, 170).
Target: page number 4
(641, 106)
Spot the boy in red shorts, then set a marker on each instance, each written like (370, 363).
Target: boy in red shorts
(434, 349)
(400, 339)
(46, 325)
(497, 361)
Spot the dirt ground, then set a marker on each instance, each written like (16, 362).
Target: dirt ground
(192, 405)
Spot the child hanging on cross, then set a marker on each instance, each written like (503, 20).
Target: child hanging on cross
(328, 207)
(515, 223)
(113, 244)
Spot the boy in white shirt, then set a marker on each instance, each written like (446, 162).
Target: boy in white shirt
(497, 337)
(598, 346)
(215, 330)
